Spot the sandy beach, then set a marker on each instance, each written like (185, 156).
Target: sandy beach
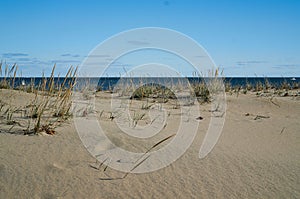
(257, 156)
(159, 99)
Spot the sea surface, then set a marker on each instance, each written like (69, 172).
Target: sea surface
(108, 83)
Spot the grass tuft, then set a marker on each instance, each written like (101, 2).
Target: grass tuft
(49, 107)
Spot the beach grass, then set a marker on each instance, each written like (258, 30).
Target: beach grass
(48, 106)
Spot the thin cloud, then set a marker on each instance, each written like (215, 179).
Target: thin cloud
(24, 59)
(242, 63)
(69, 55)
(288, 65)
(107, 63)
(10, 55)
(40, 62)
(97, 63)
(119, 64)
(61, 61)
(100, 56)
(27, 61)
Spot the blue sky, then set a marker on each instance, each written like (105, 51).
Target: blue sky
(244, 37)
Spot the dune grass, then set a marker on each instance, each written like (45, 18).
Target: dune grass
(47, 109)
(51, 103)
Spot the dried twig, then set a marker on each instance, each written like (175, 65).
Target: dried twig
(137, 161)
(271, 100)
(260, 117)
(282, 130)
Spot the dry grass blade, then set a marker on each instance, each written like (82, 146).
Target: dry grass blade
(52, 79)
(133, 168)
(106, 165)
(155, 145)
(282, 130)
(47, 110)
(101, 163)
(12, 68)
(261, 117)
(158, 143)
(139, 163)
(271, 100)
(14, 77)
(6, 71)
(0, 68)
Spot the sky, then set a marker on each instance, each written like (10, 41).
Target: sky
(245, 38)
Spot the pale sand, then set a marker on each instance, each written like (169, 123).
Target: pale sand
(252, 159)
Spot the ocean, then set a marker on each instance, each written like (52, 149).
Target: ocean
(108, 83)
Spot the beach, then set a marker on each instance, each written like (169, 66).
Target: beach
(256, 156)
(158, 99)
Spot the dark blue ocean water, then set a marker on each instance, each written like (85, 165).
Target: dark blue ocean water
(107, 83)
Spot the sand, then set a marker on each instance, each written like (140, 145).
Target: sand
(254, 158)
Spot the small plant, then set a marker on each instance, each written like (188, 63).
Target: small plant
(8, 80)
(285, 85)
(267, 85)
(9, 118)
(146, 106)
(113, 115)
(176, 106)
(137, 117)
(295, 85)
(248, 86)
(50, 106)
(213, 85)
(258, 87)
(228, 87)
(153, 91)
(2, 104)
(202, 92)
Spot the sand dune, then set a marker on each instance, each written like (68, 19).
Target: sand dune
(255, 157)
